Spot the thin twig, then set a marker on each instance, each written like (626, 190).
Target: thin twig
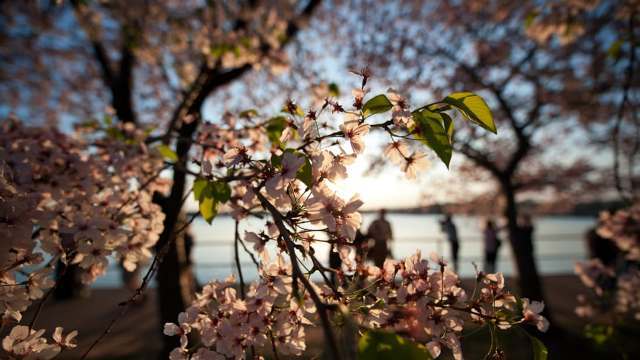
(621, 111)
(44, 299)
(296, 273)
(253, 258)
(237, 256)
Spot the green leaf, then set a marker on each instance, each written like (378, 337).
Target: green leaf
(276, 160)
(248, 113)
(431, 127)
(210, 194)
(115, 133)
(293, 109)
(208, 208)
(221, 191)
(600, 334)
(473, 107)
(334, 90)
(540, 351)
(199, 185)
(448, 126)
(530, 18)
(375, 105)
(209, 199)
(168, 153)
(90, 124)
(304, 174)
(220, 49)
(274, 128)
(107, 119)
(614, 49)
(374, 345)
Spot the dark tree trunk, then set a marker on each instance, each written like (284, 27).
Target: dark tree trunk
(176, 284)
(123, 107)
(529, 282)
(528, 278)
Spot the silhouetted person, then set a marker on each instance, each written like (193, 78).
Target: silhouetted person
(491, 246)
(360, 243)
(69, 284)
(449, 228)
(380, 232)
(600, 248)
(525, 228)
(68, 280)
(335, 262)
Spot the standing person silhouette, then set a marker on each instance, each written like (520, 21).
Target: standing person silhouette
(600, 248)
(491, 246)
(449, 227)
(525, 233)
(380, 231)
(335, 262)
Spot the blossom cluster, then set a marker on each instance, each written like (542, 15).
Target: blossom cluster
(425, 301)
(228, 326)
(74, 201)
(80, 200)
(26, 343)
(614, 287)
(295, 181)
(420, 299)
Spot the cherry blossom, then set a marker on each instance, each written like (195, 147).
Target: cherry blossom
(614, 288)
(531, 312)
(396, 151)
(400, 112)
(354, 132)
(23, 342)
(290, 165)
(415, 163)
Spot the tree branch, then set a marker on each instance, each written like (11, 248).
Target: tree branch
(297, 273)
(96, 44)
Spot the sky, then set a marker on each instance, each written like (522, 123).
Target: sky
(387, 188)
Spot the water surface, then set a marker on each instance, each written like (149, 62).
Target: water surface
(558, 244)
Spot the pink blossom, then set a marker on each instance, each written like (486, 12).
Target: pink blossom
(354, 131)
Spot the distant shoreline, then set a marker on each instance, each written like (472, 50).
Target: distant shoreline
(419, 212)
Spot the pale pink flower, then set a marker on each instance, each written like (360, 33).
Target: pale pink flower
(415, 163)
(26, 343)
(206, 354)
(182, 329)
(287, 134)
(309, 128)
(400, 112)
(355, 132)
(236, 155)
(348, 219)
(257, 240)
(358, 94)
(323, 206)
(65, 341)
(290, 165)
(38, 282)
(434, 348)
(531, 313)
(326, 165)
(396, 151)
